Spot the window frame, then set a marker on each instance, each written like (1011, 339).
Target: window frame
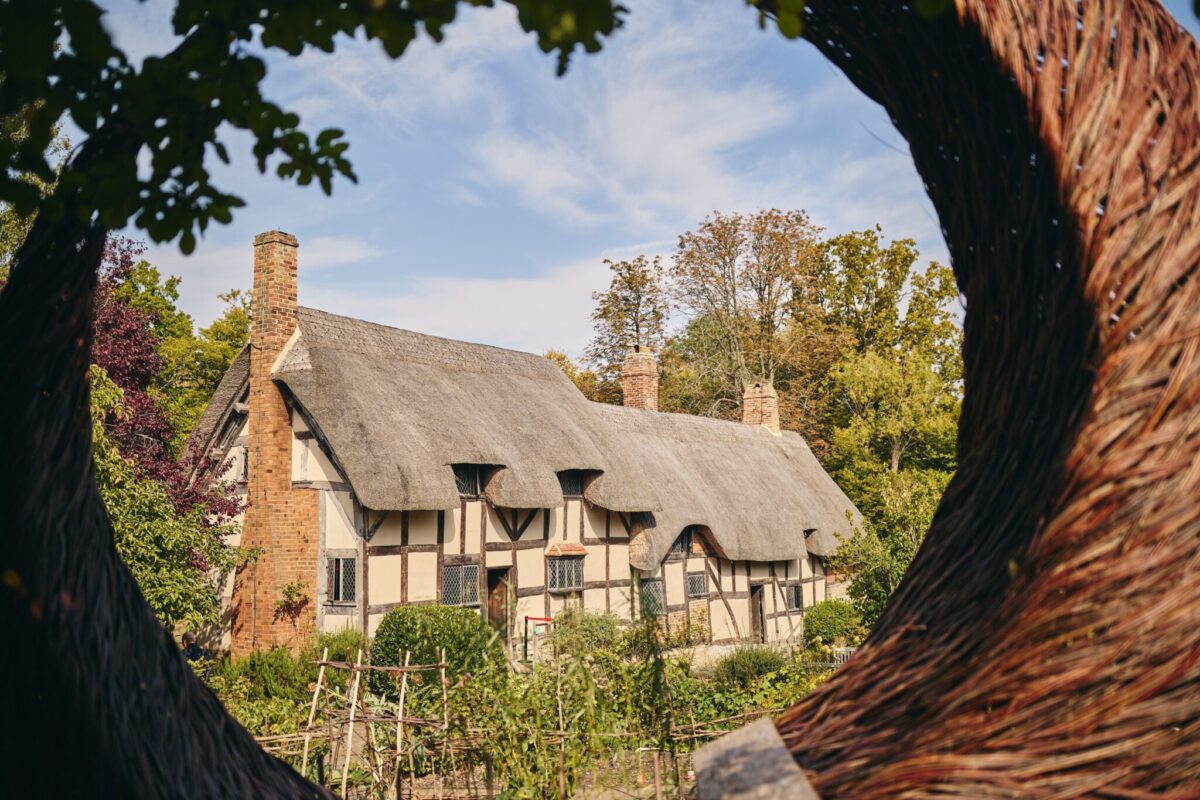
(463, 582)
(794, 596)
(682, 546)
(335, 590)
(569, 480)
(704, 578)
(661, 592)
(470, 475)
(553, 570)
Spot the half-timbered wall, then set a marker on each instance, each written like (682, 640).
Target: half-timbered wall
(400, 557)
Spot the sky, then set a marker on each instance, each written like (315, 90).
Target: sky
(490, 191)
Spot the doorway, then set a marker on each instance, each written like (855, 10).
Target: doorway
(758, 625)
(499, 590)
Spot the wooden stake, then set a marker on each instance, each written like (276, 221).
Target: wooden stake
(400, 720)
(658, 787)
(350, 727)
(312, 713)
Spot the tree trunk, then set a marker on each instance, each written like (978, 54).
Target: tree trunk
(1044, 641)
(97, 700)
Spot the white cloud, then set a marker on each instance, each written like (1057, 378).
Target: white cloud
(215, 268)
(529, 314)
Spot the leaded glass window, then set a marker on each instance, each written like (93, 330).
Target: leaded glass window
(460, 585)
(571, 481)
(565, 574)
(654, 598)
(697, 585)
(342, 580)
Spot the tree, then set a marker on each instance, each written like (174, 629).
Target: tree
(147, 130)
(176, 558)
(586, 380)
(631, 316)
(740, 272)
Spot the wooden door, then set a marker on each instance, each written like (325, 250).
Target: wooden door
(498, 599)
(757, 621)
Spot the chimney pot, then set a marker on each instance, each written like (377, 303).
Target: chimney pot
(639, 380)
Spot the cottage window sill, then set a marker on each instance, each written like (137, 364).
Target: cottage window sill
(341, 603)
(566, 590)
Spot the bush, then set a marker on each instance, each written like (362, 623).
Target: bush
(421, 630)
(744, 666)
(579, 633)
(835, 623)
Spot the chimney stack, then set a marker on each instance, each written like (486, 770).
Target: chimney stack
(639, 381)
(760, 406)
(281, 522)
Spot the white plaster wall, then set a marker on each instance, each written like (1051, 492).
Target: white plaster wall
(593, 563)
(339, 520)
(422, 576)
(422, 527)
(386, 573)
(389, 533)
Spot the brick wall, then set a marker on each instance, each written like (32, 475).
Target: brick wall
(639, 381)
(281, 522)
(760, 406)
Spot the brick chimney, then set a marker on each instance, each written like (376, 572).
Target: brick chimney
(760, 406)
(280, 522)
(639, 381)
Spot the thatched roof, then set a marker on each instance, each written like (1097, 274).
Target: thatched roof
(398, 409)
(228, 391)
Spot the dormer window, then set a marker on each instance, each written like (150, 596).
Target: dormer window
(571, 481)
(683, 543)
(470, 479)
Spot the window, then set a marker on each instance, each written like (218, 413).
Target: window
(794, 595)
(697, 585)
(460, 585)
(245, 463)
(654, 600)
(341, 580)
(565, 574)
(682, 544)
(571, 481)
(470, 479)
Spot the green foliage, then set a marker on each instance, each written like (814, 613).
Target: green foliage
(193, 364)
(833, 622)
(630, 316)
(579, 634)
(593, 386)
(469, 643)
(744, 666)
(269, 692)
(177, 107)
(176, 559)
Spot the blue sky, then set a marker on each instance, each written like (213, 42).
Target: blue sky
(490, 191)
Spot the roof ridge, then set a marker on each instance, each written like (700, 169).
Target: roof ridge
(418, 334)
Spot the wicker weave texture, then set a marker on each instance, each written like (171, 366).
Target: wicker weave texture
(1046, 641)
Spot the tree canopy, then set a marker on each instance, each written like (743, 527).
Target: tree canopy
(58, 59)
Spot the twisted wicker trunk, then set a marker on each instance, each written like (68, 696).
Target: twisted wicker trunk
(1046, 640)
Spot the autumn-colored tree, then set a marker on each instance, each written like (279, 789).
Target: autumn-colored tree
(586, 380)
(630, 316)
(740, 273)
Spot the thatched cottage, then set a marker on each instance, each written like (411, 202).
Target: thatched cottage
(383, 467)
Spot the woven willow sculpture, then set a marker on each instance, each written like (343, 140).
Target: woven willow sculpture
(1046, 641)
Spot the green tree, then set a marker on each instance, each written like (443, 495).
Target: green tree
(892, 402)
(592, 385)
(630, 316)
(177, 560)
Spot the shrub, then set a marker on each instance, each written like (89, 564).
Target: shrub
(579, 633)
(421, 630)
(744, 666)
(834, 623)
